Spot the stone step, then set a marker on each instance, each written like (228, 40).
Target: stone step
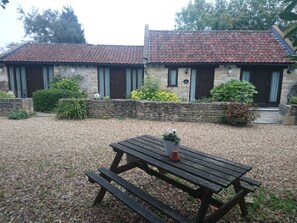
(268, 116)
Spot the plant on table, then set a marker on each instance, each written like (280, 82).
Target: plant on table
(171, 136)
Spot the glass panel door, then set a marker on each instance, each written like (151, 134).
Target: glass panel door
(274, 86)
(193, 84)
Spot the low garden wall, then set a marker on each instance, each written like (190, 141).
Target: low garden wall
(288, 114)
(15, 104)
(151, 110)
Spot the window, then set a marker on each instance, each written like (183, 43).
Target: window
(172, 77)
(18, 81)
(274, 86)
(134, 79)
(245, 76)
(48, 74)
(104, 82)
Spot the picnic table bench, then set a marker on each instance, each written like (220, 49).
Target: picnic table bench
(208, 174)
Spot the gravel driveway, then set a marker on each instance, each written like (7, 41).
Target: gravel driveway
(43, 161)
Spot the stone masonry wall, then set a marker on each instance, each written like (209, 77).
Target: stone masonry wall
(160, 111)
(89, 74)
(289, 80)
(288, 114)
(161, 73)
(7, 105)
(222, 75)
(112, 108)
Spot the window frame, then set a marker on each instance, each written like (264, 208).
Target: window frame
(169, 77)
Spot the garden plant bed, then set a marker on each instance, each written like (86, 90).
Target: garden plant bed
(43, 163)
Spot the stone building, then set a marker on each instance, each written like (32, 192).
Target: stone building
(189, 63)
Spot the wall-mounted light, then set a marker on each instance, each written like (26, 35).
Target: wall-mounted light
(289, 70)
(73, 69)
(229, 69)
(186, 70)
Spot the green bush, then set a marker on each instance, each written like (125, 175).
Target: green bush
(293, 100)
(72, 109)
(151, 91)
(5, 94)
(67, 83)
(239, 114)
(46, 100)
(18, 115)
(234, 91)
(160, 95)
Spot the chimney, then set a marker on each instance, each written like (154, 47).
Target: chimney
(146, 47)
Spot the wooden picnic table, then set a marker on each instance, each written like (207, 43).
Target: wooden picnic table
(207, 173)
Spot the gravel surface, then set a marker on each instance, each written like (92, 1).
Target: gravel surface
(43, 163)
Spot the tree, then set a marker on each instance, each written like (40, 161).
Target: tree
(3, 3)
(230, 15)
(289, 14)
(51, 26)
(195, 16)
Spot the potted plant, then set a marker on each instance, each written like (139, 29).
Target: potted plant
(171, 141)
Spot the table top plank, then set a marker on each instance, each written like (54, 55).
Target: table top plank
(198, 159)
(197, 152)
(190, 169)
(188, 163)
(170, 169)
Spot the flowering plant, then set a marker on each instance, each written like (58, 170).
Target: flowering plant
(96, 95)
(172, 137)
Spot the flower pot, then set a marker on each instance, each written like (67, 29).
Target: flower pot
(168, 147)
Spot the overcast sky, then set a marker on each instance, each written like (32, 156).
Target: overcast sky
(104, 21)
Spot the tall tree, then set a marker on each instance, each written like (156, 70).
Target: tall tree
(230, 15)
(195, 16)
(51, 26)
(3, 3)
(290, 14)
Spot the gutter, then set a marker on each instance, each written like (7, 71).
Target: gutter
(285, 42)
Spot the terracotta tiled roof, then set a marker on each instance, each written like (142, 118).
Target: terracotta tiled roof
(215, 47)
(76, 53)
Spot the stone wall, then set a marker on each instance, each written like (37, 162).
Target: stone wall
(289, 80)
(222, 75)
(288, 114)
(161, 73)
(89, 82)
(7, 105)
(112, 108)
(3, 86)
(160, 111)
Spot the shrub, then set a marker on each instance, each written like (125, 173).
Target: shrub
(164, 95)
(47, 100)
(151, 91)
(72, 109)
(239, 114)
(17, 115)
(67, 83)
(234, 91)
(293, 100)
(160, 95)
(5, 94)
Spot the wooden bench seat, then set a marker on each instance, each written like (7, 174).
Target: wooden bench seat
(129, 201)
(249, 183)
